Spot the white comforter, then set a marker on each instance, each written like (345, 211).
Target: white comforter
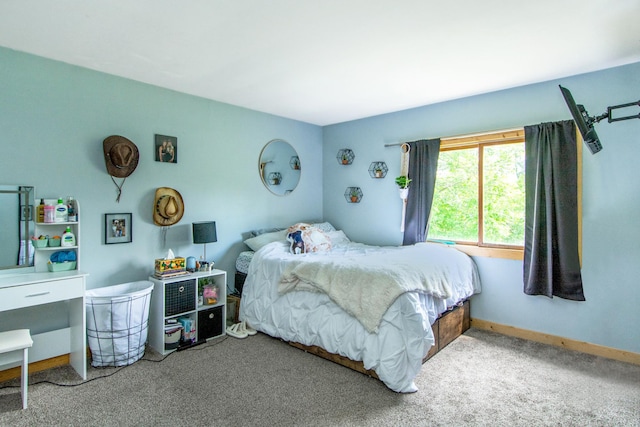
(404, 334)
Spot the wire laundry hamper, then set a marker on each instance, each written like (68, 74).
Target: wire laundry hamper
(118, 322)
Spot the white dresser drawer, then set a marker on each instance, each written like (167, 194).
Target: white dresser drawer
(15, 297)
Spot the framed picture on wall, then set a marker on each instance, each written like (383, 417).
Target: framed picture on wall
(117, 228)
(166, 149)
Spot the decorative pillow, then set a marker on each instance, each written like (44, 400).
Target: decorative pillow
(327, 227)
(255, 243)
(305, 238)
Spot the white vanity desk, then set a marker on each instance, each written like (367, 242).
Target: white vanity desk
(34, 289)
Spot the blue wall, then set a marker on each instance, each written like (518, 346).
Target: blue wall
(54, 117)
(611, 272)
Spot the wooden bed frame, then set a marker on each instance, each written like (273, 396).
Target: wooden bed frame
(449, 326)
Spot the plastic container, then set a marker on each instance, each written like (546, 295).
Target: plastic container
(40, 243)
(61, 212)
(72, 210)
(68, 238)
(118, 322)
(49, 213)
(172, 334)
(54, 242)
(61, 266)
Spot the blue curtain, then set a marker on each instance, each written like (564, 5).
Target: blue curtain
(423, 162)
(551, 257)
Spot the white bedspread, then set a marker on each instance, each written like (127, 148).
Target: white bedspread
(404, 334)
(365, 284)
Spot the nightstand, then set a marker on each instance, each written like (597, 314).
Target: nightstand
(179, 301)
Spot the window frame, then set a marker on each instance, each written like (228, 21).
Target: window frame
(501, 137)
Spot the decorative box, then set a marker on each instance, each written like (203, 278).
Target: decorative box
(166, 267)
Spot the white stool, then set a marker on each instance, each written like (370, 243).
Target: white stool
(14, 341)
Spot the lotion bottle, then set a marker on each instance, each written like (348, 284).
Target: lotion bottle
(61, 211)
(68, 238)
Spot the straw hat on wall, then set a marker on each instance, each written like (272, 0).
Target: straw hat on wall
(168, 207)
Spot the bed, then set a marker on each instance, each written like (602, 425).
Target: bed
(376, 329)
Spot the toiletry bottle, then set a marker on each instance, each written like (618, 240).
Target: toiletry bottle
(40, 211)
(68, 238)
(49, 213)
(72, 212)
(61, 211)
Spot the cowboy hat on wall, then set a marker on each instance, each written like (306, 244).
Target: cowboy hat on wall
(168, 207)
(121, 157)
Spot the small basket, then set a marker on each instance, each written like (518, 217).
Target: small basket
(40, 243)
(61, 266)
(54, 242)
(172, 334)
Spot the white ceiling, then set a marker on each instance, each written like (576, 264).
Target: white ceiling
(329, 61)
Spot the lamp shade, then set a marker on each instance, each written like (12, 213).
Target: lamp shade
(204, 232)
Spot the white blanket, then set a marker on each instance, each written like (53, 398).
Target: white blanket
(365, 286)
(404, 336)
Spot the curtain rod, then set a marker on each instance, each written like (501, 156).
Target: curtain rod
(468, 135)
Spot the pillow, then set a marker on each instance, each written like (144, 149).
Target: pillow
(324, 226)
(338, 238)
(255, 243)
(260, 231)
(305, 238)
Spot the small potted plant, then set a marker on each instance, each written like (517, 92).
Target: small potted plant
(403, 186)
(274, 178)
(378, 173)
(354, 195)
(345, 159)
(403, 182)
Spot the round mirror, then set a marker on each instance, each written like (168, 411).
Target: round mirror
(279, 167)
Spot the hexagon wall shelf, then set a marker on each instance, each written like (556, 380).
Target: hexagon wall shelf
(353, 194)
(378, 170)
(345, 156)
(295, 163)
(275, 178)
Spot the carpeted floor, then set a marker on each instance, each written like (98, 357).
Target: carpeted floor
(480, 379)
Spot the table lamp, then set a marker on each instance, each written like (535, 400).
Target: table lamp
(204, 232)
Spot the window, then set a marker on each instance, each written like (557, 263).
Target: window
(479, 197)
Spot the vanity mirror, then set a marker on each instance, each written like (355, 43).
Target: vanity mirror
(279, 167)
(17, 210)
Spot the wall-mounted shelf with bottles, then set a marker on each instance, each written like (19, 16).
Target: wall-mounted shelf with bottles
(51, 243)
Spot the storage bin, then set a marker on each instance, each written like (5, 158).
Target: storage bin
(172, 334)
(117, 322)
(40, 243)
(180, 297)
(210, 323)
(61, 266)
